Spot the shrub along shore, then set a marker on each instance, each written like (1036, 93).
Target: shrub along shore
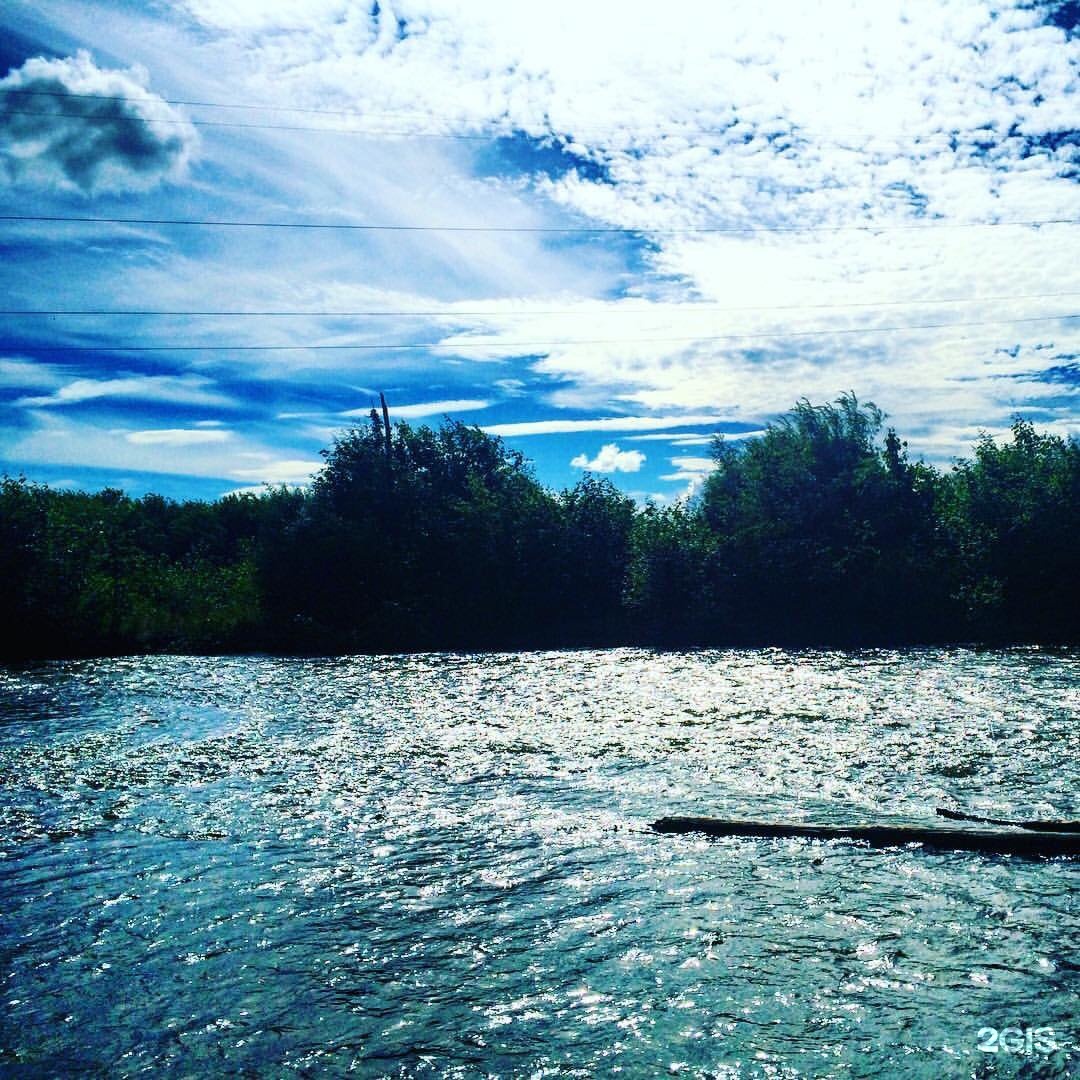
(821, 532)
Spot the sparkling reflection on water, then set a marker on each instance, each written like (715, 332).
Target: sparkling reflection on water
(439, 865)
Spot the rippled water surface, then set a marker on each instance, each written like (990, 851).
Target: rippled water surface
(440, 866)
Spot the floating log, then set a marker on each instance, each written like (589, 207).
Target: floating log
(996, 841)
(1038, 826)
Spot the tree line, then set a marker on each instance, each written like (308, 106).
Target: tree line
(820, 532)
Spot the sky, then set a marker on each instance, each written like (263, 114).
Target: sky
(603, 230)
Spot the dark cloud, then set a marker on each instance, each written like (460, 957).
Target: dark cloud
(68, 123)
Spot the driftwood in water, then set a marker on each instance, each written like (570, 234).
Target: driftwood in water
(1038, 826)
(997, 841)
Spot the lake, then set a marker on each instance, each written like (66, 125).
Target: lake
(440, 866)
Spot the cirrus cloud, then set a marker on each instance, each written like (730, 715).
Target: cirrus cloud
(289, 471)
(429, 408)
(175, 389)
(781, 207)
(178, 436)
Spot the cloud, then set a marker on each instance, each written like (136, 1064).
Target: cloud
(116, 136)
(28, 374)
(178, 436)
(275, 15)
(694, 464)
(51, 437)
(691, 471)
(176, 389)
(611, 460)
(830, 121)
(606, 423)
(279, 472)
(676, 439)
(430, 408)
(825, 114)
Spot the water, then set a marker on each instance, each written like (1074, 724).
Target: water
(440, 866)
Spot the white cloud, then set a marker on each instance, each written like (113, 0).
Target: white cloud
(869, 99)
(178, 436)
(694, 476)
(611, 459)
(670, 125)
(691, 471)
(681, 104)
(56, 437)
(177, 389)
(674, 438)
(112, 134)
(430, 408)
(279, 472)
(605, 423)
(254, 489)
(260, 15)
(693, 464)
(28, 374)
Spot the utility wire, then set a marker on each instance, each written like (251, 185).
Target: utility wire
(153, 99)
(556, 229)
(674, 130)
(473, 344)
(741, 137)
(661, 309)
(374, 133)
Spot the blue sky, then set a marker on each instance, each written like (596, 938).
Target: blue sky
(626, 226)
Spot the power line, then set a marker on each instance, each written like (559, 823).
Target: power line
(486, 134)
(448, 313)
(973, 134)
(187, 121)
(556, 229)
(153, 99)
(459, 345)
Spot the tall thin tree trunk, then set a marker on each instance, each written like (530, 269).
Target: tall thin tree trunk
(386, 421)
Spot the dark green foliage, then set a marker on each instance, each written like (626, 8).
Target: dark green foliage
(1015, 514)
(819, 532)
(102, 573)
(824, 537)
(670, 592)
(422, 539)
(593, 539)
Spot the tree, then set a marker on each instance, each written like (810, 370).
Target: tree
(812, 520)
(596, 525)
(1015, 510)
(669, 590)
(410, 541)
